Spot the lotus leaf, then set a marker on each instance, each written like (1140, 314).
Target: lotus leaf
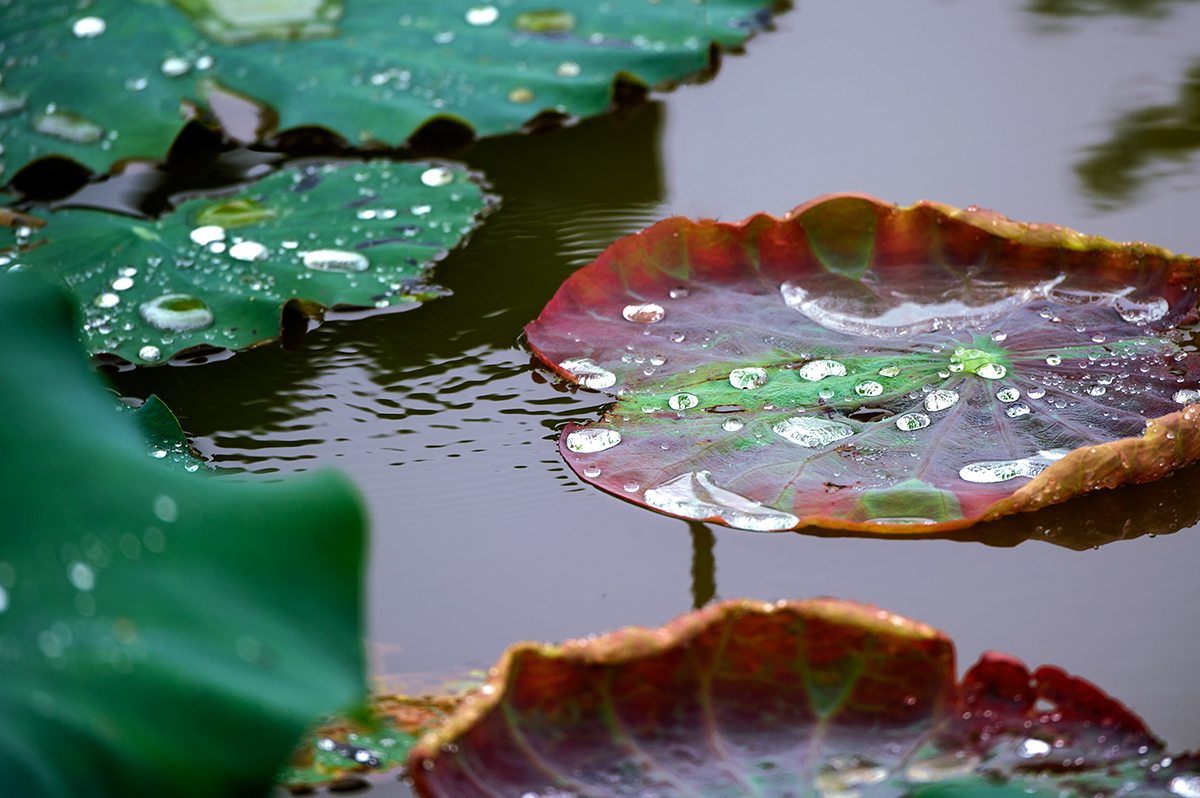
(161, 632)
(856, 365)
(115, 79)
(818, 697)
(165, 439)
(217, 273)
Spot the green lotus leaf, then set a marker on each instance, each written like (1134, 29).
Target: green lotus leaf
(165, 440)
(820, 698)
(859, 366)
(115, 79)
(161, 632)
(218, 273)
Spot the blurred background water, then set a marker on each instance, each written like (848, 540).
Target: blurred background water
(1084, 113)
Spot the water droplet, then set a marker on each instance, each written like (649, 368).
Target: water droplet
(1032, 749)
(177, 313)
(567, 69)
(683, 401)
(150, 354)
(646, 313)
(204, 62)
(591, 472)
(955, 368)
(335, 260)
(989, 471)
(677, 337)
(1185, 786)
(122, 284)
(657, 360)
(943, 767)
(545, 21)
(68, 126)
(1053, 360)
(815, 370)
(889, 371)
(1036, 392)
(88, 27)
(208, 234)
(748, 378)
(826, 393)
(3, 599)
(868, 388)
(912, 421)
(588, 373)
(520, 94)
(592, 439)
(941, 399)
(11, 102)
(106, 300)
(695, 495)
(437, 176)
(1097, 390)
(249, 251)
(991, 371)
(1141, 312)
(81, 576)
(631, 487)
(1187, 396)
(175, 66)
(482, 15)
(732, 424)
(1008, 394)
(1017, 409)
(443, 37)
(810, 432)
(999, 335)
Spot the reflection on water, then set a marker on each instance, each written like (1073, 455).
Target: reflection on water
(1073, 8)
(1147, 143)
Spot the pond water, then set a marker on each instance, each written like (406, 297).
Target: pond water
(482, 537)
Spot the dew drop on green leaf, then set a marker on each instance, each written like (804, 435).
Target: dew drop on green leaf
(545, 21)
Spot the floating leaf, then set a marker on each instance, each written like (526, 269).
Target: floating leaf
(218, 273)
(861, 366)
(819, 697)
(165, 439)
(115, 79)
(161, 632)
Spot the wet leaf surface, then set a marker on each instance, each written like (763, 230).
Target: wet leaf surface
(819, 697)
(372, 70)
(161, 632)
(860, 366)
(218, 273)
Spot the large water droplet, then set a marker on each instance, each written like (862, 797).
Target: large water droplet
(732, 424)
(1003, 470)
(748, 378)
(482, 15)
(177, 313)
(88, 27)
(889, 371)
(150, 353)
(1036, 392)
(1053, 360)
(1185, 786)
(1097, 390)
(1141, 312)
(912, 421)
(1033, 748)
(249, 251)
(810, 432)
(544, 21)
(646, 313)
(943, 767)
(991, 371)
(208, 234)
(868, 388)
(107, 300)
(1008, 395)
(1017, 409)
(592, 439)
(437, 176)
(695, 495)
(591, 472)
(68, 126)
(1187, 396)
(815, 370)
(683, 401)
(336, 260)
(588, 373)
(175, 66)
(940, 399)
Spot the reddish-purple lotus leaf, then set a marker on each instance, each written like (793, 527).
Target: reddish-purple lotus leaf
(806, 698)
(861, 366)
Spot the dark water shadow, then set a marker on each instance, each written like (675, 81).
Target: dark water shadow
(1146, 144)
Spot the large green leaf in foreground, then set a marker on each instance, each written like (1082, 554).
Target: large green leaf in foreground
(161, 632)
(218, 273)
(856, 365)
(106, 81)
(817, 698)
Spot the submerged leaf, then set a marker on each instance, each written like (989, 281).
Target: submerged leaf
(161, 632)
(114, 80)
(861, 366)
(217, 273)
(819, 697)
